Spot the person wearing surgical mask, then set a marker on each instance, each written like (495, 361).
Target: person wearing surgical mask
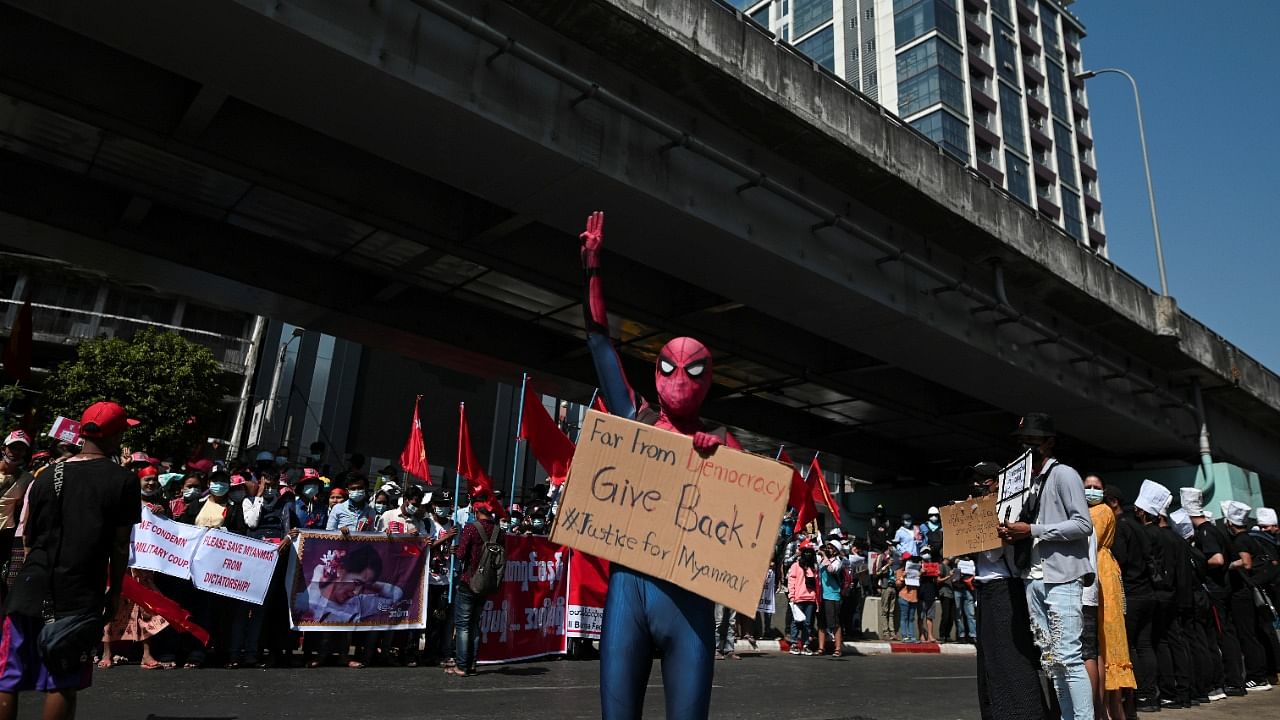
(189, 492)
(217, 510)
(310, 511)
(356, 512)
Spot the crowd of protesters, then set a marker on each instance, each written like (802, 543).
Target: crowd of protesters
(273, 498)
(1124, 607)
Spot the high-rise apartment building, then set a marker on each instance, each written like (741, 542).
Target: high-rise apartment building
(993, 82)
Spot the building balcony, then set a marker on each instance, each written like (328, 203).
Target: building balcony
(1025, 12)
(1076, 80)
(1092, 203)
(976, 5)
(1083, 140)
(1081, 110)
(1088, 170)
(1037, 106)
(1029, 44)
(980, 65)
(1032, 73)
(1044, 172)
(991, 172)
(1097, 238)
(986, 134)
(981, 97)
(1048, 207)
(976, 31)
(1073, 52)
(1038, 137)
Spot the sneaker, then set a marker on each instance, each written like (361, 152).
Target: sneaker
(1217, 694)
(1149, 707)
(1255, 686)
(807, 652)
(795, 650)
(1235, 692)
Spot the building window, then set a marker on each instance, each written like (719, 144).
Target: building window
(870, 45)
(1001, 9)
(1011, 118)
(761, 17)
(809, 14)
(853, 24)
(927, 55)
(743, 4)
(1044, 190)
(1091, 189)
(1049, 30)
(1016, 171)
(869, 14)
(785, 7)
(1007, 56)
(913, 18)
(930, 88)
(1057, 92)
(821, 46)
(1095, 220)
(1066, 160)
(987, 154)
(1071, 214)
(947, 130)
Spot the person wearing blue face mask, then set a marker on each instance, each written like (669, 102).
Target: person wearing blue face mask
(217, 510)
(355, 513)
(310, 510)
(268, 515)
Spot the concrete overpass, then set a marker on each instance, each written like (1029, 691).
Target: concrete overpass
(412, 174)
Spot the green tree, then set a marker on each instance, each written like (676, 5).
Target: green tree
(161, 378)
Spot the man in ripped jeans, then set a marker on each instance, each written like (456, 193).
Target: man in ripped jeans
(1058, 563)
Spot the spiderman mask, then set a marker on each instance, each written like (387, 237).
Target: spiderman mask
(683, 377)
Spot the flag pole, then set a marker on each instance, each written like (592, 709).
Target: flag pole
(454, 517)
(515, 460)
(778, 457)
(594, 394)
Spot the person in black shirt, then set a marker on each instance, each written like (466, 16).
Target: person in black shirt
(880, 533)
(1220, 556)
(1167, 575)
(73, 537)
(1243, 611)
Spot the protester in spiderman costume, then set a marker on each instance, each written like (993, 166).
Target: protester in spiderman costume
(643, 613)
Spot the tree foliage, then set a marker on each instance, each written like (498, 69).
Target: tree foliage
(161, 378)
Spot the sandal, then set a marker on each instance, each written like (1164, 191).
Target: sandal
(152, 665)
(104, 663)
(355, 664)
(837, 654)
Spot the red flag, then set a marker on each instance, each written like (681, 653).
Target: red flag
(17, 353)
(551, 447)
(413, 459)
(822, 493)
(801, 497)
(469, 466)
(154, 603)
(597, 403)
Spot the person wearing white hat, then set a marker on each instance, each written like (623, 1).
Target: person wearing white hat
(1244, 613)
(1221, 560)
(1196, 620)
(1168, 563)
(15, 478)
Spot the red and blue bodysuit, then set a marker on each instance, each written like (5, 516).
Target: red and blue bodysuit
(642, 613)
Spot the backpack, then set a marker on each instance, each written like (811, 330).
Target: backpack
(486, 578)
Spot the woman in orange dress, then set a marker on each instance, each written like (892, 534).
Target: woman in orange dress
(1113, 641)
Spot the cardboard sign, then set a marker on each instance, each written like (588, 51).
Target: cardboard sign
(970, 526)
(642, 497)
(163, 545)
(65, 430)
(1012, 488)
(234, 565)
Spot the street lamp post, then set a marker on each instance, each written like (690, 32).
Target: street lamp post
(1146, 165)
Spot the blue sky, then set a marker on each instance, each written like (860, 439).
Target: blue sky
(1211, 102)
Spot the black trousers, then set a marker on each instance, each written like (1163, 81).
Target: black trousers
(1224, 630)
(1172, 655)
(1139, 621)
(947, 617)
(1206, 667)
(1008, 661)
(1244, 616)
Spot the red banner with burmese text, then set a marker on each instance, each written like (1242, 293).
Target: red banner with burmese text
(588, 584)
(526, 618)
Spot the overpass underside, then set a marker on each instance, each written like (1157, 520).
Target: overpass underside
(412, 175)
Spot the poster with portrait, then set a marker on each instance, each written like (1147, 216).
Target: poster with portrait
(1014, 480)
(367, 581)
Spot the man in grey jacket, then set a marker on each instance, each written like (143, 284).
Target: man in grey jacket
(1057, 522)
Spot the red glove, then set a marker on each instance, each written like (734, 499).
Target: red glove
(706, 443)
(592, 238)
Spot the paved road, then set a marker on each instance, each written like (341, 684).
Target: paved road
(765, 686)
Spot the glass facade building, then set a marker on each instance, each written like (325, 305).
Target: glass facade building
(993, 82)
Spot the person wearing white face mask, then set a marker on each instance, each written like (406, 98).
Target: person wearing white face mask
(310, 511)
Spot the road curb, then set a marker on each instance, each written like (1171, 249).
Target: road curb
(875, 647)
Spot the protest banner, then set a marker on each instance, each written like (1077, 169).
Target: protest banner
(163, 545)
(367, 581)
(234, 565)
(588, 585)
(911, 578)
(643, 497)
(1013, 486)
(967, 567)
(970, 526)
(525, 618)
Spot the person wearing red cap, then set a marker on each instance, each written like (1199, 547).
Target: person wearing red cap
(66, 568)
